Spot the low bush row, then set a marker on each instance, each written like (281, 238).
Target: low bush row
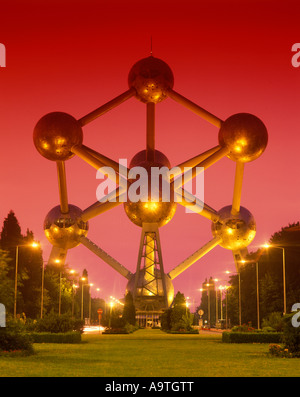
(252, 337)
(50, 337)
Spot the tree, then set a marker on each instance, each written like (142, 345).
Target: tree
(29, 272)
(270, 278)
(11, 237)
(129, 309)
(6, 284)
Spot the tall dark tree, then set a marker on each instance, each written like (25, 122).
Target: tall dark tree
(11, 237)
(129, 309)
(6, 284)
(29, 261)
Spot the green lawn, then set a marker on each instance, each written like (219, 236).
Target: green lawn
(150, 353)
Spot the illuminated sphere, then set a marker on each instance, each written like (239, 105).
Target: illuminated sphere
(151, 78)
(236, 231)
(144, 299)
(55, 134)
(245, 135)
(150, 212)
(64, 230)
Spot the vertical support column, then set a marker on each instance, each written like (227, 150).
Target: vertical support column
(150, 144)
(150, 251)
(238, 182)
(149, 263)
(62, 186)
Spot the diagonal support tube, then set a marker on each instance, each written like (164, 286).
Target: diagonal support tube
(202, 166)
(106, 107)
(191, 202)
(193, 258)
(100, 207)
(195, 108)
(105, 257)
(194, 161)
(57, 256)
(98, 161)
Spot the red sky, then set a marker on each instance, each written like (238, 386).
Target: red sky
(226, 56)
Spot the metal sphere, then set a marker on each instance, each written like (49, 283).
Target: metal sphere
(140, 160)
(245, 135)
(144, 298)
(64, 230)
(55, 134)
(159, 212)
(151, 78)
(236, 231)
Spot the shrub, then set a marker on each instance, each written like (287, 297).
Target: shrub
(129, 328)
(291, 336)
(243, 328)
(274, 320)
(58, 324)
(278, 351)
(11, 341)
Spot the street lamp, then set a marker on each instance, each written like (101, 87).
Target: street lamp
(240, 300)
(226, 304)
(57, 261)
(90, 303)
(42, 297)
(111, 304)
(208, 301)
(221, 287)
(82, 279)
(283, 272)
(74, 286)
(32, 245)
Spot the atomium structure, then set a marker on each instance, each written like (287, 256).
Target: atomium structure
(242, 138)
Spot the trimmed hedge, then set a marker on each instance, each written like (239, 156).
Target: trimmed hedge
(50, 337)
(252, 337)
(192, 331)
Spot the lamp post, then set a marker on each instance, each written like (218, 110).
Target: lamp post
(240, 300)
(90, 303)
(208, 302)
(221, 297)
(82, 279)
(57, 261)
(42, 295)
(226, 305)
(283, 272)
(257, 295)
(32, 245)
(111, 304)
(74, 286)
